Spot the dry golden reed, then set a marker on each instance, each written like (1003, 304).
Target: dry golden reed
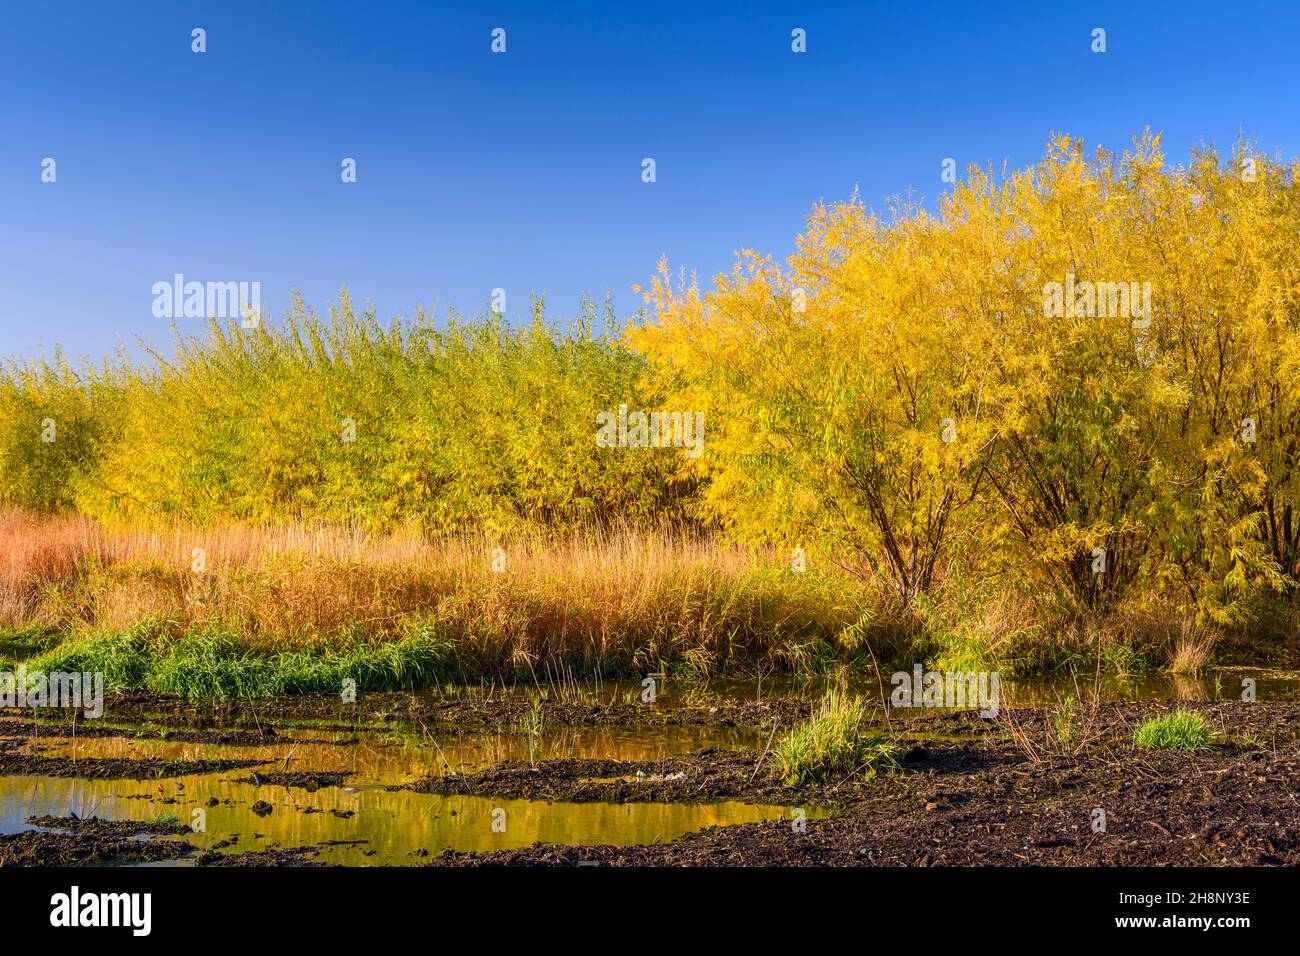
(616, 598)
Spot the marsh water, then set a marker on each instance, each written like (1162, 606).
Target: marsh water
(364, 821)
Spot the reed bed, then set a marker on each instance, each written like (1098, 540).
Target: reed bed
(613, 601)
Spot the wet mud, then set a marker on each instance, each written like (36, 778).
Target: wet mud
(967, 791)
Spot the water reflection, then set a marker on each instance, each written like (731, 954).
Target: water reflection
(361, 825)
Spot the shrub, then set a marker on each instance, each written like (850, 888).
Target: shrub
(913, 389)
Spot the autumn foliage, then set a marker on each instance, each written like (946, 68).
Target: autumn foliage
(345, 419)
(909, 394)
(1081, 378)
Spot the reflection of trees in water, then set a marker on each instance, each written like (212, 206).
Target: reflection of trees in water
(391, 824)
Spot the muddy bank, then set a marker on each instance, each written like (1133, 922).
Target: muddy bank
(88, 846)
(967, 791)
(185, 718)
(309, 780)
(703, 776)
(261, 736)
(275, 720)
(112, 768)
(114, 828)
(708, 712)
(1115, 721)
(290, 856)
(986, 802)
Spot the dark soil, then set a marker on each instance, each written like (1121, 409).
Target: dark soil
(116, 828)
(968, 791)
(188, 735)
(113, 768)
(982, 802)
(309, 780)
(189, 717)
(288, 856)
(702, 776)
(40, 848)
(720, 714)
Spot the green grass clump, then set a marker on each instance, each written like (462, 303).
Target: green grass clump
(1181, 730)
(122, 658)
(20, 643)
(833, 744)
(205, 664)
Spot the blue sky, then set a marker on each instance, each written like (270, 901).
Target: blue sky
(523, 170)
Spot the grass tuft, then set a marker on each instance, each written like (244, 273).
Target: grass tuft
(834, 743)
(1181, 730)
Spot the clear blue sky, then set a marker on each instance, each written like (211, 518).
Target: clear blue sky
(523, 170)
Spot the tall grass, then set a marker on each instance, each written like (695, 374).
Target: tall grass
(834, 744)
(615, 601)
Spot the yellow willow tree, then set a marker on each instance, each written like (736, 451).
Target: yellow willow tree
(1083, 435)
(475, 424)
(55, 422)
(1228, 329)
(1059, 367)
(846, 399)
(1270, 250)
(1160, 311)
